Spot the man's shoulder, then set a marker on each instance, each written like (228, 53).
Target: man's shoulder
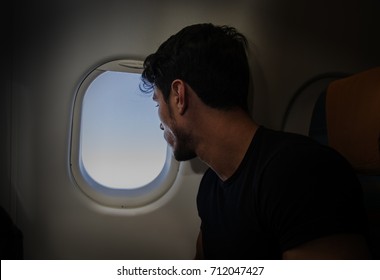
(287, 144)
(279, 150)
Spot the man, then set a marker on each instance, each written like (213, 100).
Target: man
(267, 194)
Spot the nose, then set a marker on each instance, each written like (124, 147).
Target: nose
(161, 126)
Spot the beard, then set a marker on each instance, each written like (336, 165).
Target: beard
(182, 154)
(182, 146)
(179, 140)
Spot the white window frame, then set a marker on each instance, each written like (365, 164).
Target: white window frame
(115, 197)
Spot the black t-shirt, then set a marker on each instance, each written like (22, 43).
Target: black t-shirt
(287, 190)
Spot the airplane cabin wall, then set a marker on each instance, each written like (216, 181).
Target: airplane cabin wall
(57, 43)
(5, 112)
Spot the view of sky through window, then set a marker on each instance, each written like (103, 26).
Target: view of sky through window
(121, 143)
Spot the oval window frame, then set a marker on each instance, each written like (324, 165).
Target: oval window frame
(104, 195)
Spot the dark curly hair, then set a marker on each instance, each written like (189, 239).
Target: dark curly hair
(211, 59)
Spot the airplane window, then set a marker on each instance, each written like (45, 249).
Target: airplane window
(122, 145)
(118, 148)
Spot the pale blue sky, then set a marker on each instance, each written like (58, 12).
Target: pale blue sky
(122, 145)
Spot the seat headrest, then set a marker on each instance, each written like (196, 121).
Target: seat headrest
(353, 119)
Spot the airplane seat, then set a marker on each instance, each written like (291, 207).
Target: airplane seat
(346, 116)
(11, 238)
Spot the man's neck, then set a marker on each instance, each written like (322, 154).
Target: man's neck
(225, 140)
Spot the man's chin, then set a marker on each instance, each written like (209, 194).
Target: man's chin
(182, 156)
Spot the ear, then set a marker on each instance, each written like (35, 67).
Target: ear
(180, 95)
